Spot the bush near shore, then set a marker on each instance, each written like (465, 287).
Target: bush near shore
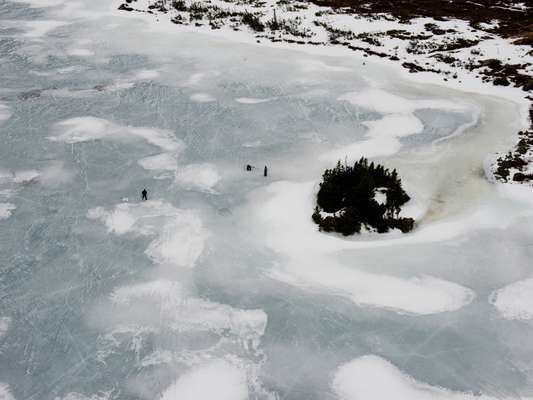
(346, 199)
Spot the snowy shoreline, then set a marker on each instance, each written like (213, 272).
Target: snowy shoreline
(161, 16)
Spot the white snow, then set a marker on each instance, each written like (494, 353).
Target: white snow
(55, 174)
(80, 52)
(216, 380)
(184, 312)
(129, 81)
(383, 134)
(5, 392)
(5, 112)
(202, 98)
(6, 209)
(194, 79)
(160, 162)
(383, 138)
(26, 176)
(282, 218)
(41, 3)
(4, 325)
(79, 396)
(251, 100)
(179, 234)
(385, 102)
(202, 176)
(373, 378)
(168, 292)
(514, 301)
(147, 74)
(83, 129)
(39, 28)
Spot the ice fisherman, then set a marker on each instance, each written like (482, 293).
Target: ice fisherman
(265, 171)
(144, 194)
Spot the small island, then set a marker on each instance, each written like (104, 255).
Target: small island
(361, 195)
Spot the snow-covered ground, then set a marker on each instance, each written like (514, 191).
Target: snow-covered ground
(220, 286)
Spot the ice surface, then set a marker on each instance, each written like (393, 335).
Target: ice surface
(4, 325)
(202, 98)
(249, 100)
(5, 112)
(217, 380)
(198, 176)
(179, 234)
(6, 209)
(80, 52)
(82, 129)
(373, 378)
(220, 284)
(5, 393)
(160, 162)
(514, 301)
(384, 134)
(292, 231)
(38, 29)
(186, 312)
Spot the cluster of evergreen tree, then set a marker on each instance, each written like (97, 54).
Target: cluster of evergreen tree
(348, 192)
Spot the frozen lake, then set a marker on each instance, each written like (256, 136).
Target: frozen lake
(220, 287)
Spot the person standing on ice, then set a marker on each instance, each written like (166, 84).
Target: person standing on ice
(144, 194)
(265, 171)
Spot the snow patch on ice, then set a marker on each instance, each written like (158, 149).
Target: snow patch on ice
(55, 174)
(26, 176)
(5, 113)
(188, 313)
(193, 176)
(384, 102)
(284, 225)
(83, 129)
(168, 292)
(160, 162)
(129, 81)
(514, 301)
(5, 392)
(383, 138)
(194, 79)
(179, 234)
(202, 98)
(374, 378)
(217, 379)
(41, 3)
(80, 52)
(147, 74)
(417, 295)
(156, 358)
(38, 29)
(6, 209)
(4, 325)
(383, 135)
(251, 100)
(202, 176)
(79, 396)
(313, 65)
